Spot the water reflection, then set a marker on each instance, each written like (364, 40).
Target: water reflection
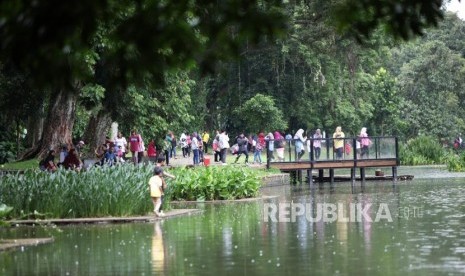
(234, 239)
(158, 249)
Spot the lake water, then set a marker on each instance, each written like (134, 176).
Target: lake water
(420, 230)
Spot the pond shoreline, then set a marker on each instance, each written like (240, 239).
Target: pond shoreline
(104, 220)
(11, 244)
(225, 200)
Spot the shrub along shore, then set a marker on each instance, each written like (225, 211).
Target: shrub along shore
(117, 191)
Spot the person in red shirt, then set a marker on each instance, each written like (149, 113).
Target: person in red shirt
(72, 161)
(134, 145)
(152, 151)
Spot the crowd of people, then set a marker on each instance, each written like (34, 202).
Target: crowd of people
(195, 145)
(68, 158)
(111, 152)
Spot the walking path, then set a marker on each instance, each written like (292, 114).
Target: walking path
(186, 161)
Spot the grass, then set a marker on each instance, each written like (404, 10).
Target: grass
(21, 165)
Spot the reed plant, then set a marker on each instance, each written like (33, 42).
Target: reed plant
(101, 191)
(117, 191)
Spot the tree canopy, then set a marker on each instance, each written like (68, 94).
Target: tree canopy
(79, 65)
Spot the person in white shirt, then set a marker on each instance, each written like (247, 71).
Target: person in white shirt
(121, 141)
(223, 142)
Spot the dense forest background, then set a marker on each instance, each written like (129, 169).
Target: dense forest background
(311, 77)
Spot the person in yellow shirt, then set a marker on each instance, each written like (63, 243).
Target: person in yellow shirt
(205, 140)
(156, 190)
(338, 142)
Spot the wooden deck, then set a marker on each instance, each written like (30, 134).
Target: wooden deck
(337, 164)
(381, 152)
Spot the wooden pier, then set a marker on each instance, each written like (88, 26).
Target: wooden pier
(383, 152)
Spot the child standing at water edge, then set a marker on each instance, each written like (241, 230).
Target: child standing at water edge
(160, 163)
(156, 190)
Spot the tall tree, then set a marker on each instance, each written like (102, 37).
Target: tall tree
(147, 39)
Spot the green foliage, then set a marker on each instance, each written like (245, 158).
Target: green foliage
(115, 191)
(21, 165)
(4, 213)
(54, 41)
(213, 183)
(431, 82)
(384, 103)
(423, 150)
(316, 77)
(258, 112)
(455, 161)
(402, 19)
(7, 152)
(154, 110)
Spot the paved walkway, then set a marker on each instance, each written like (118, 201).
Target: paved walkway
(185, 161)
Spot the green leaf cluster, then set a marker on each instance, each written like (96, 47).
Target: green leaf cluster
(423, 150)
(260, 111)
(455, 161)
(213, 183)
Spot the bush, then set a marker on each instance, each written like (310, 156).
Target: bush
(455, 162)
(213, 183)
(423, 150)
(4, 212)
(7, 152)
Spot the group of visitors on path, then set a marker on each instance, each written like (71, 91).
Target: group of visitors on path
(195, 145)
(69, 158)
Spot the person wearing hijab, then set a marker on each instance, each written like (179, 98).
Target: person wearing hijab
(317, 143)
(280, 143)
(270, 139)
(365, 142)
(338, 142)
(299, 141)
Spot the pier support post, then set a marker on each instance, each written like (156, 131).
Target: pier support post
(299, 176)
(362, 174)
(293, 176)
(394, 174)
(320, 175)
(310, 177)
(352, 175)
(331, 175)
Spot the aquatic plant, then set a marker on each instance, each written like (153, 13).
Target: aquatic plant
(213, 183)
(103, 191)
(117, 191)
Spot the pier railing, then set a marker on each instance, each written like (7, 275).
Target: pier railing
(331, 150)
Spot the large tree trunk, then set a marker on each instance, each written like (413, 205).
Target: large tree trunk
(35, 125)
(97, 129)
(58, 126)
